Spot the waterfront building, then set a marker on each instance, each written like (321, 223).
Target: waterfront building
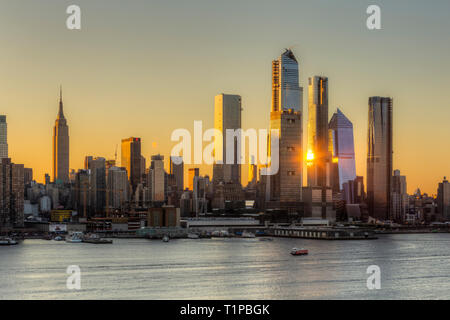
(342, 149)
(227, 116)
(283, 188)
(399, 197)
(379, 158)
(12, 191)
(3, 137)
(318, 153)
(131, 160)
(318, 203)
(443, 199)
(61, 146)
(353, 191)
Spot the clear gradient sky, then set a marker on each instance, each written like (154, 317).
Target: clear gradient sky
(144, 68)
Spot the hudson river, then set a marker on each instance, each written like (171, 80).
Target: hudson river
(412, 267)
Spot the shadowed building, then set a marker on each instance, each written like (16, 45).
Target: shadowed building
(61, 146)
(379, 158)
(3, 138)
(131, 160)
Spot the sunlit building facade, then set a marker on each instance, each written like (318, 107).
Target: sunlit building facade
(379, 158)
(61, 146)
(227, 116)
(284, 187)
(318, 155)
(342, 149)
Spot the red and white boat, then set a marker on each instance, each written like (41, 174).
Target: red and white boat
(299, 252)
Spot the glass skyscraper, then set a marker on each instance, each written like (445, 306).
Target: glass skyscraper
(318, 155)
(342, 148)
(379, 157)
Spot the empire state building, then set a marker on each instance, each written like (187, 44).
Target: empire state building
(61, 146)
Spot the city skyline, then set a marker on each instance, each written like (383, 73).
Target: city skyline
(100, 115)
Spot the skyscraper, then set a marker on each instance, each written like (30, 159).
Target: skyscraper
(61, 146)
(443, 199)
(286, 92)
(192, 172)
(158, 179)
(399, 197)
(285, 186)
(11, 194)
(3, 138)
(227, 116)
(342, 148)
(177, 169)
(379, 157)
(97, 170)
(117, 186)
(131, 160)
(318, 155)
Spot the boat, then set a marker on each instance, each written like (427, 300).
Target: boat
(299, 252)
(6, 241)
(96, 239)
(246, 234)
(75, 237)
(193, 236)
(58, 238)
(165, 239)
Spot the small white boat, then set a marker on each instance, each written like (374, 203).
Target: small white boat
(165, 239)
(75, 237)
(6, 241)
(58, 238)
(246, 234)
(193, 236)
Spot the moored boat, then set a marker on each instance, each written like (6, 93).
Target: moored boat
(95, 239)
(193, 236)
(246, 234)
(6, 241)
(299, 252)
(165, 239)
(75, 237)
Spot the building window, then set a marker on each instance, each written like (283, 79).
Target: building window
(291, 173)
(290, 149)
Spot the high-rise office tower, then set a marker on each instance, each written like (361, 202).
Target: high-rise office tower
(192, 172)
(285, 186)
(443, 199)
(252, 172)
(399, 197)
(11, 194)
(177, 169)
(342, 148)
(318, 155)
(3, 138)
(379, 157)
(158, 179)
(286, 92)
(131, 160)
(227, 116)
(97, 169)
(117, 186)
(61, 146)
